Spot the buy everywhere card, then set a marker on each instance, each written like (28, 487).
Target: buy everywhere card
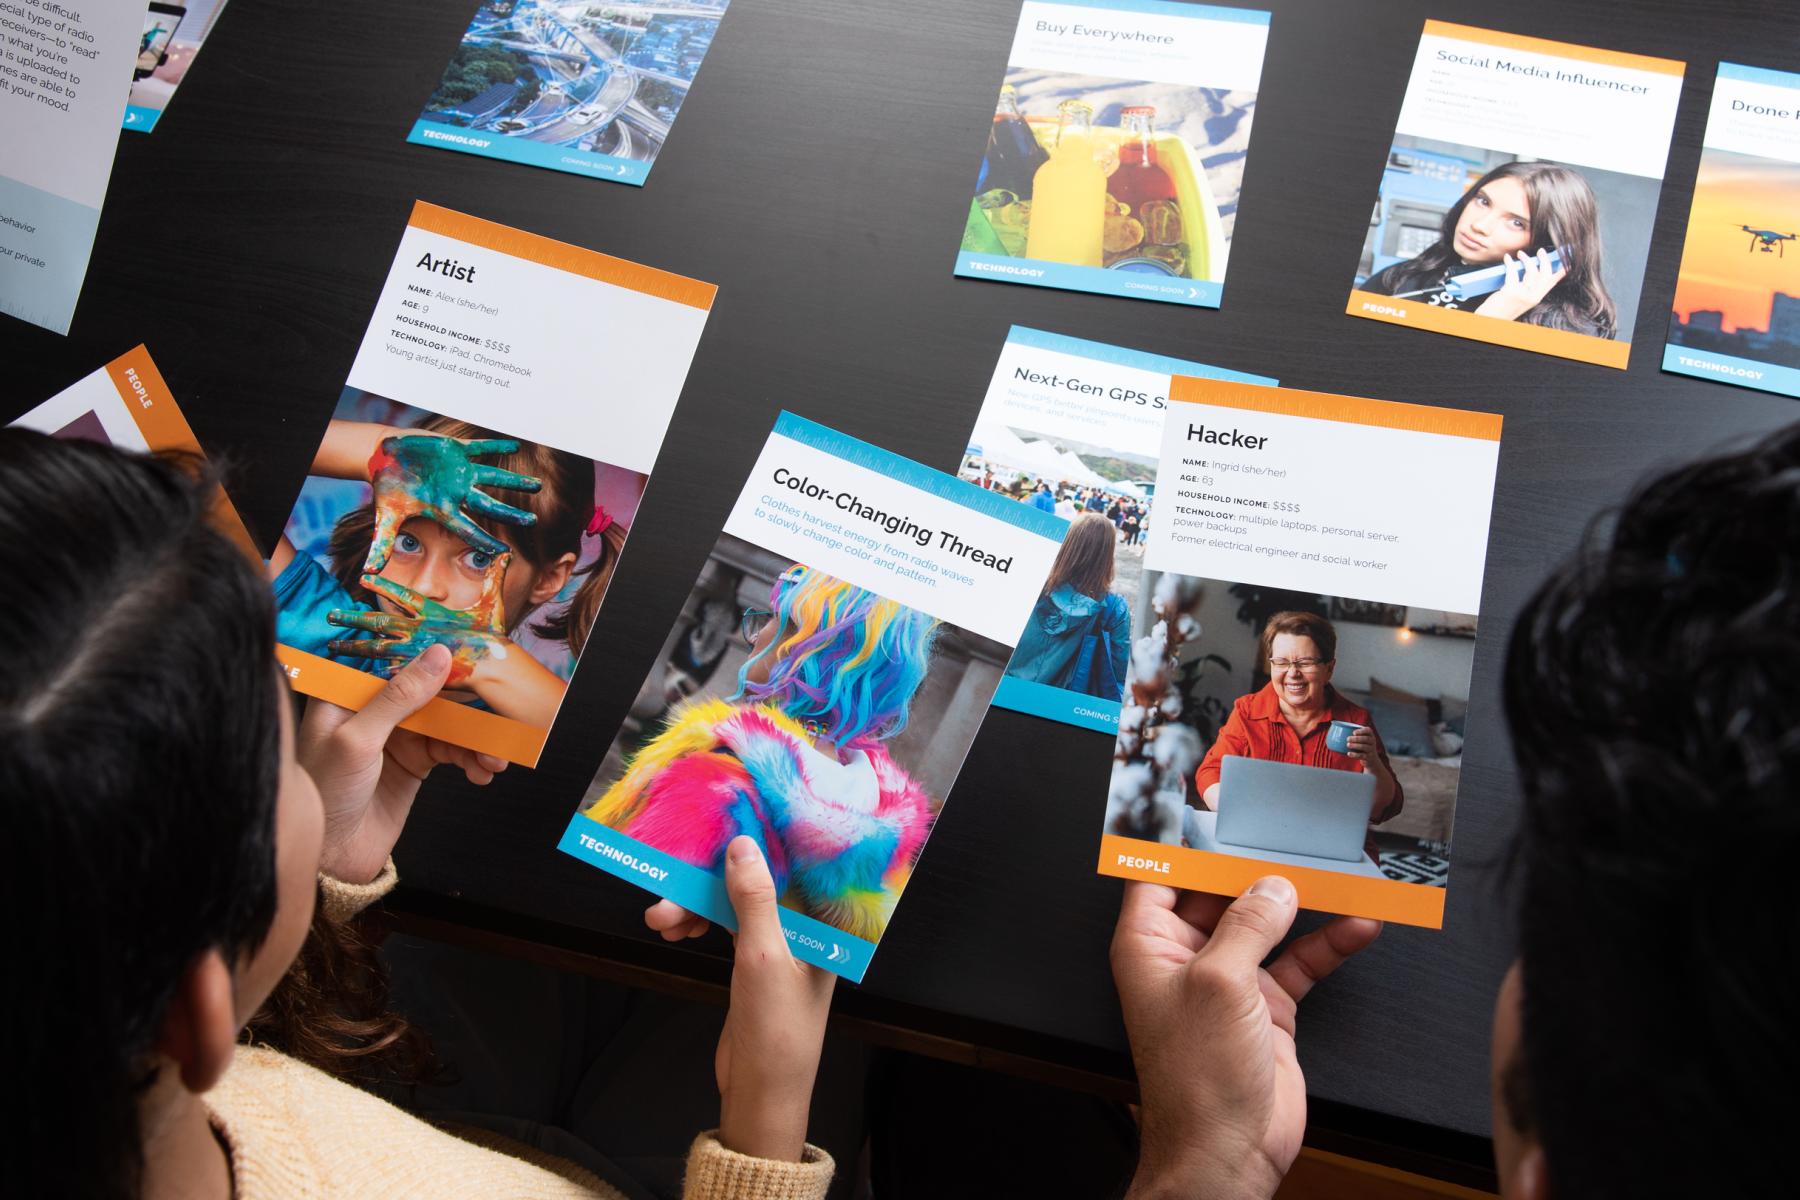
(1737, 300)
(1117, 149)
(1074, 428)
(590, 89)
(477, 483)
(1298, 692)
(1520, 193)
(829, 670)
(127, 404)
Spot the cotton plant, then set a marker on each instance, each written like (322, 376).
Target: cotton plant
(1156, 754)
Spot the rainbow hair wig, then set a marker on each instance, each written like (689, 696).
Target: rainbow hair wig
(846, 658)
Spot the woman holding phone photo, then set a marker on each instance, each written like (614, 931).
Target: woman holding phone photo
(1518, 214)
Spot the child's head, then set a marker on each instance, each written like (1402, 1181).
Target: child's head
(168, 843)
(838, 655)
(1085, 562)
(431, 560)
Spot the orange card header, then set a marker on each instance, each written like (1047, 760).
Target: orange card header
(148, 399)
(561, 255)
(1323, 406)
(1229, 875)
(1514, 41)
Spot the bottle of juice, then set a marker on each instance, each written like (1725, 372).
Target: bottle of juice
(1068, 206)
(1140, 179)
(1013, 154)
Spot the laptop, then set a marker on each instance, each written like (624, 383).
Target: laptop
(1292, 809)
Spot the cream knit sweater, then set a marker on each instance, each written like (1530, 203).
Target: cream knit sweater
(295, 1133)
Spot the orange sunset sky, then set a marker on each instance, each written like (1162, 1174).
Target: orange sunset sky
(1717, 268)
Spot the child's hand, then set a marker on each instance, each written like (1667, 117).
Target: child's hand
(769, 1053)
(428, 475)
(368, 770)
(470, 636)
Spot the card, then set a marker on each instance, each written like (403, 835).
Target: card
(1117, 149)
(1297, 696)
(583, 88)
(63, 74)
(173, 34)
(478, 480)
(1520, 193)
(1737, 301)
(1074, 428)
(127, 404)
(829, 669)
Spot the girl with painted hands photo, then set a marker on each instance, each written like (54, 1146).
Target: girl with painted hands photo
(433, 558)
(196, 854)
(1515, 216)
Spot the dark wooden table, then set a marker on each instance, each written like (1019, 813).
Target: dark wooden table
(819, 173)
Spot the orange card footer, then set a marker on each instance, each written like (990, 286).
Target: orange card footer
(1228, 875)
(446, 720)
(1476, 328)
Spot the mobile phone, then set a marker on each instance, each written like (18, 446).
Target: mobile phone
(160, 23)
(1471, 284)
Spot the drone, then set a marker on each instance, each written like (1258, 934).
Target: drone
(1767, 240)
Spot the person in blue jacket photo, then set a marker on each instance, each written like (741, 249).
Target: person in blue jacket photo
(1079, 635)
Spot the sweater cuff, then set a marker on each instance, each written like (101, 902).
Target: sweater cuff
(715, 1173)
(341, 900)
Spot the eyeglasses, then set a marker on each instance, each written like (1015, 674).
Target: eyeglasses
(1306, 666)
(751, 624)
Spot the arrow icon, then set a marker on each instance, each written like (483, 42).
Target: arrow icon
(838, 954)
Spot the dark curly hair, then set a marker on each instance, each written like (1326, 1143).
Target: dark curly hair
(1653, 691)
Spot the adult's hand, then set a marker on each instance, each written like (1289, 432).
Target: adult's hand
(769, 1053)
(1529, 279)
(1212, 1032)
(368, 770)
(1365, 747)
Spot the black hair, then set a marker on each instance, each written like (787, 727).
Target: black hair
(1564, 212)
(139, 765)
(1653, 692)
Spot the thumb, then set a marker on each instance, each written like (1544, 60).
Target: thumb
(1253, 926)
(752, 892)
(413, 687)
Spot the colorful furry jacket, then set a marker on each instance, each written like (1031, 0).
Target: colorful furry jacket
(840, 837)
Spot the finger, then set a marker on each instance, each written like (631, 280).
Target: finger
(490, 446)
(492, 762)
(1319, 953)
(374, 622)
(752, 893)
(411, 688)
(460, 524)
(1202, 910)
(399, 593)
(674, 922)
(381, 543)
(1141, 901)
(372, 648)
(1253, 925)
(486, 476)
(1149, 920)
(487, 506)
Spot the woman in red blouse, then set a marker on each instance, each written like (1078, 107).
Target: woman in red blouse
(1286, 721)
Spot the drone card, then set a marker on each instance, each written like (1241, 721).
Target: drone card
(1520, 192)
(1737, 301)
